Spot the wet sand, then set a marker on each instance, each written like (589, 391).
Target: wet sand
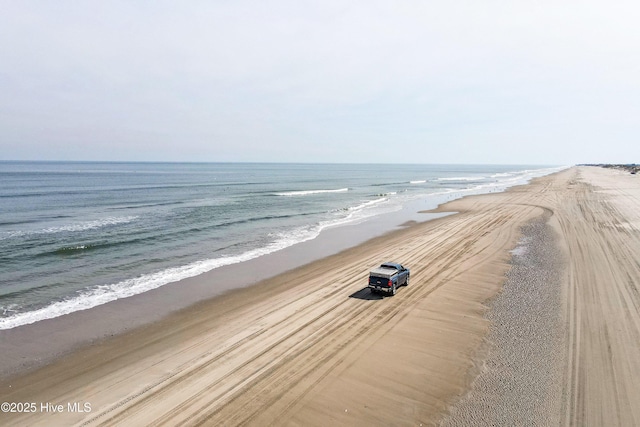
(311, 346)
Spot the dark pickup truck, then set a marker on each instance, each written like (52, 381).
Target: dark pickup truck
(388, 277)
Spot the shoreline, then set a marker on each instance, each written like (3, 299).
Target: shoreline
(29, 347)
(83, 264)
(248, 319)
(87, 290)
(312, 345)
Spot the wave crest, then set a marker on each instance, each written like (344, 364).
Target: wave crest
(310, 192)
(72, 228)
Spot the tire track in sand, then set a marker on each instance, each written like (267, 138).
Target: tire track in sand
(603, 303)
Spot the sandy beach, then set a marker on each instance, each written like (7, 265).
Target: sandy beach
(312, 346)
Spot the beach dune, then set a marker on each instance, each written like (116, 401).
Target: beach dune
(312, 346)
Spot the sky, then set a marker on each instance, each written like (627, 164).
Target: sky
(496, 82)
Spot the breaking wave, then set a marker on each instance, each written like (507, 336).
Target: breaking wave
(309, 192)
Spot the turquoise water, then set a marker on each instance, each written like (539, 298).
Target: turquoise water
(76, 235)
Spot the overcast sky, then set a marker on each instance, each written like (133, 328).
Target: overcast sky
(544, 82)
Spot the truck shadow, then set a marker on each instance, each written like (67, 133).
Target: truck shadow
(365, 294)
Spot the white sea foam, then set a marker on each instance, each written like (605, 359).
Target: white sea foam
(462, 178)
(422, 181)
(103, 294)
(9, 309)
(75, 227)
(506, 181)
(309, 192)
(516, 178)
(90, 225)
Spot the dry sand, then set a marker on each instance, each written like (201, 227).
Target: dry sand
(312, 347)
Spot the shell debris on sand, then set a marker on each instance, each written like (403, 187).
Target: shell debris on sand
(521, 380)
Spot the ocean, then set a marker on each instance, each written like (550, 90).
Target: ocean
(74, 235)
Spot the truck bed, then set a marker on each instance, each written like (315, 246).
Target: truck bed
(383, 272)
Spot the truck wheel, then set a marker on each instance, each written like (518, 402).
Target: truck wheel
(393, 289)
